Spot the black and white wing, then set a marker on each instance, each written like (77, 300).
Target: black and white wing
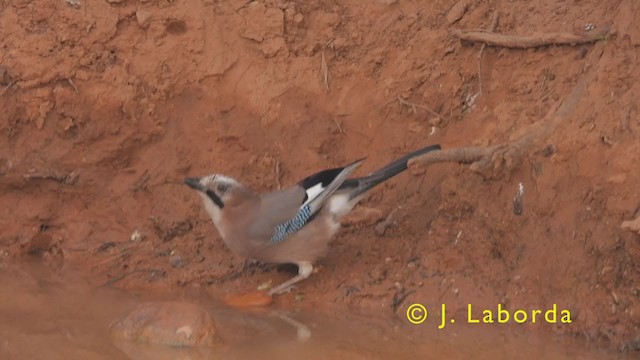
(297, 206)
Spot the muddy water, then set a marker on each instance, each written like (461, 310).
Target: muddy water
(55, 314)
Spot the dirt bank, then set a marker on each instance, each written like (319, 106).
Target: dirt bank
(108, 105)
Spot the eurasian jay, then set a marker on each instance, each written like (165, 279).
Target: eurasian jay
(294, 225)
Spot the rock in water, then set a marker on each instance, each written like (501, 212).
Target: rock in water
(177, 324)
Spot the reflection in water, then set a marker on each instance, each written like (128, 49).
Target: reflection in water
(44, 315)
(302, 331)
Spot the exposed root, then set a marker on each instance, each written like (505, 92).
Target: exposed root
(382, 226)
(531, 41)
(63, 178)
(492, 161)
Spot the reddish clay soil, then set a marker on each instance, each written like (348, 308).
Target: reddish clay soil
(108, 105)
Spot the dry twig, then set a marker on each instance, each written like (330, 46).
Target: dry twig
(524, 42)
(278, 175)
(4, 90)
(415, 106)
(73, 85)
(338, 125)
(64, 178)
(142, 181)
(325, 73)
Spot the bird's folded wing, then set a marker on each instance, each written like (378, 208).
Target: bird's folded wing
(283, 213)
(276, 208)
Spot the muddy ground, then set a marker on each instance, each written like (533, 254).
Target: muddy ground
(108, 105)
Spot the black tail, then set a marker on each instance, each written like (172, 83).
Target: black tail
(361, 185)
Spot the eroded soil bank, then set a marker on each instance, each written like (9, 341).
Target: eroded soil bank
(108, 105)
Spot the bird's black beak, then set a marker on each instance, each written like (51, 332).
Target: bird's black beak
(194, 183)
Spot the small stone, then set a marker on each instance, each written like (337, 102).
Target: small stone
(143, 17)
(136, 236)
(264, 286)
(176, 261)
(449, 50)
(631, 225)
(549, 150)
(74, 3)
(167, 323)
(456, 12)
(115, 1)
(298, 18)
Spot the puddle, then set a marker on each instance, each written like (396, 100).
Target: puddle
(46, 314)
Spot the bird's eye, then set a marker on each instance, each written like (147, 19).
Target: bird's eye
(222, 188)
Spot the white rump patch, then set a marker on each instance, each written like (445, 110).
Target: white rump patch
(313, 192)
(339, 204)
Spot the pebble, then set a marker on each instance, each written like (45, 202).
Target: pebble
(143, 17)
(167, 323)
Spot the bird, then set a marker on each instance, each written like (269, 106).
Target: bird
(294, 225)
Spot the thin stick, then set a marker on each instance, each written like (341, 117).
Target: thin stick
(277, 171)
(325, 73)
(7, 87)
(419, 106)
(73, 85)
(338, 125)
(117, 256)
(530, 41)
(494, 24)
(69, 178)
(142, 181)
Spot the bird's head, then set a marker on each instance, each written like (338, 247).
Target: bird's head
(216, 190)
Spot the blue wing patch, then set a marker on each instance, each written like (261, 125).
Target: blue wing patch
(291, 226)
